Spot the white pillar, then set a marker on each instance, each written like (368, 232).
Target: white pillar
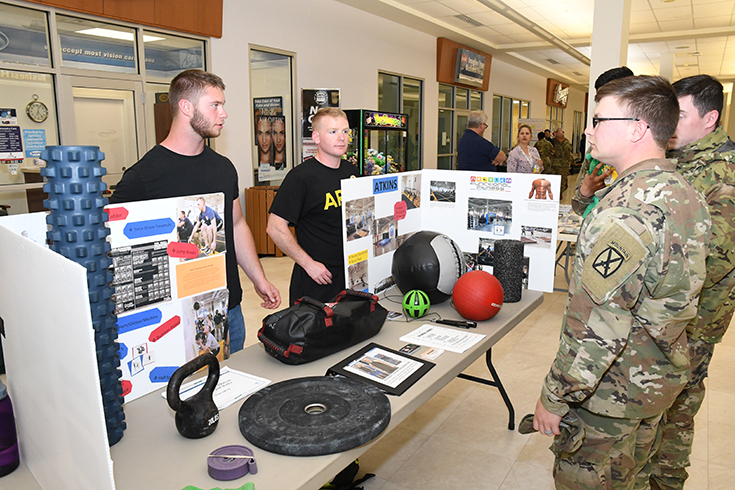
(610, 27)
(666, 68)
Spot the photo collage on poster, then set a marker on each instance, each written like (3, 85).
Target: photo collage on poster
(170, 286)
(475, 209)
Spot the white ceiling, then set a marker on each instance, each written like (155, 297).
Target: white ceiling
(701, 33)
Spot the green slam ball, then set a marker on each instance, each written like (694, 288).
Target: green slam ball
(416, 303)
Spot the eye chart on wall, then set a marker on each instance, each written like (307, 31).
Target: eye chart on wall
(170, 286)
(472, 208)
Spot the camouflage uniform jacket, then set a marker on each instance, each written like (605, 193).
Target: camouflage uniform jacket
(638, 270)
(546, 152)
(709, 165)
(562, 154)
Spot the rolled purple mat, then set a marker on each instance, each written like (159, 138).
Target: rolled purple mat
(222, 466)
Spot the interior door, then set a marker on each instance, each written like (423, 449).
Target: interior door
(108, 114)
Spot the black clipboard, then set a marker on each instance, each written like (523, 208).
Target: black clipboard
(375, 364)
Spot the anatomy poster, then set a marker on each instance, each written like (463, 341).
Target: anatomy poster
(472, 208)
(169, 286)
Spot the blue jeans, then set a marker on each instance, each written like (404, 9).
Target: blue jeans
(237, 329)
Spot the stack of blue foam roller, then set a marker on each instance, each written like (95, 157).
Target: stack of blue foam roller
(78, 232)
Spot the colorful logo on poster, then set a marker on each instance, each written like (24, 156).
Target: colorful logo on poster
(495, 184)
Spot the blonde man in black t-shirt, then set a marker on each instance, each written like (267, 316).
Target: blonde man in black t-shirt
(310, 199)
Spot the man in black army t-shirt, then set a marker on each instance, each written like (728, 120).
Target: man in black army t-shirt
(310, 198)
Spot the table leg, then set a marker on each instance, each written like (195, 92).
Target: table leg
(497, 384)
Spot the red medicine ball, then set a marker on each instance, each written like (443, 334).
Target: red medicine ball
(477, 296)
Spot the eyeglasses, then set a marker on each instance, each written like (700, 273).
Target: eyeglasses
(485, 124)
(598, 120)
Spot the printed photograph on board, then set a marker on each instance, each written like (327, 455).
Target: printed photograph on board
(489, 215)
(359, 217)
(411, 191)
(201, 221)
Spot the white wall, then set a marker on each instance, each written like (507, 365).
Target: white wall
(336, 46)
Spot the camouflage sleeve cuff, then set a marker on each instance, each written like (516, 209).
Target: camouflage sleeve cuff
(553, 403)
(580, 203)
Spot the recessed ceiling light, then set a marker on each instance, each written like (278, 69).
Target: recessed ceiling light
(682, 47)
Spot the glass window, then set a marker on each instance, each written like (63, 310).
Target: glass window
(462, 98)
(96, 45)
(506, 113)
(389, 90)
(475, 100)
(446, 96)
(23, 36)
(166, 55)
(444, 144)
(28, 103)
(404, 95)
(444, 162)
(497, 106)
(271, 88)
(412, 98)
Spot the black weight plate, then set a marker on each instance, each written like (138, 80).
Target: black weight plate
(313, 416)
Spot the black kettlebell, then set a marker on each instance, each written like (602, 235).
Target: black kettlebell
(196, 417)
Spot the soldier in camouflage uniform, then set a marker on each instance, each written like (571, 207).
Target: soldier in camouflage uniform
(638, 270)
(705, 156)
(562, 160)
(545, 150)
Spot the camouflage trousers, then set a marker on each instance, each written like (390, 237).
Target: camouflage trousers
(562, 170)
(615, 454)
(672, 458)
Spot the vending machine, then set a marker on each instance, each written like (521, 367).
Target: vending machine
(378, 141)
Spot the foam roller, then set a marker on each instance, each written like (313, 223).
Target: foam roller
(508, 268)
(78, 232)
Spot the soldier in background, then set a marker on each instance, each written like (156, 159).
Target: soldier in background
(562, 160)
(704, 155)
(545, 149)
(638, 270)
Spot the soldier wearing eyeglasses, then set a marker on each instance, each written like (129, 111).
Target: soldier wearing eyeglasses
(638, 270)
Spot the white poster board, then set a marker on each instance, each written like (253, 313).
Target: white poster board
(170, 296)
(51, 365)
(473, 208)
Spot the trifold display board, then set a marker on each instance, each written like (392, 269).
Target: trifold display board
(472, 208)
(170, 286)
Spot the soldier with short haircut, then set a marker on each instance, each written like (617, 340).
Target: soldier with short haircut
(638, 270)
(704, 155)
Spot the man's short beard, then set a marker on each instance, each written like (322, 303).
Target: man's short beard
(201, 126)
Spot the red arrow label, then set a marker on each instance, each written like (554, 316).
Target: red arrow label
(164, 328)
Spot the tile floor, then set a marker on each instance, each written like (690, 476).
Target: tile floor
(459, 438)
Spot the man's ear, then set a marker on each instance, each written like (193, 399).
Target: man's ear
(640, 131)
(711, 119)
(315, 136)
(186, 108)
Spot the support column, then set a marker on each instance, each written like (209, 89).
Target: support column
(610, 27)
(666, 68)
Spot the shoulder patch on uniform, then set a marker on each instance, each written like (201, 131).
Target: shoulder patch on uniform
(608, 262)
(618, 253)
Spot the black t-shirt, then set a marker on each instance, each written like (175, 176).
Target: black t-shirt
(310, 198)
(161, 173)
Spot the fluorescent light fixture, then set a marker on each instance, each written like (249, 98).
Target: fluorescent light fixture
(109, 33)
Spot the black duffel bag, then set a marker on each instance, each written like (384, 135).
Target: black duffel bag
(310, 329)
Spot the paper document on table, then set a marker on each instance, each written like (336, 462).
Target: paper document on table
(231, 387)
(443, 338)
